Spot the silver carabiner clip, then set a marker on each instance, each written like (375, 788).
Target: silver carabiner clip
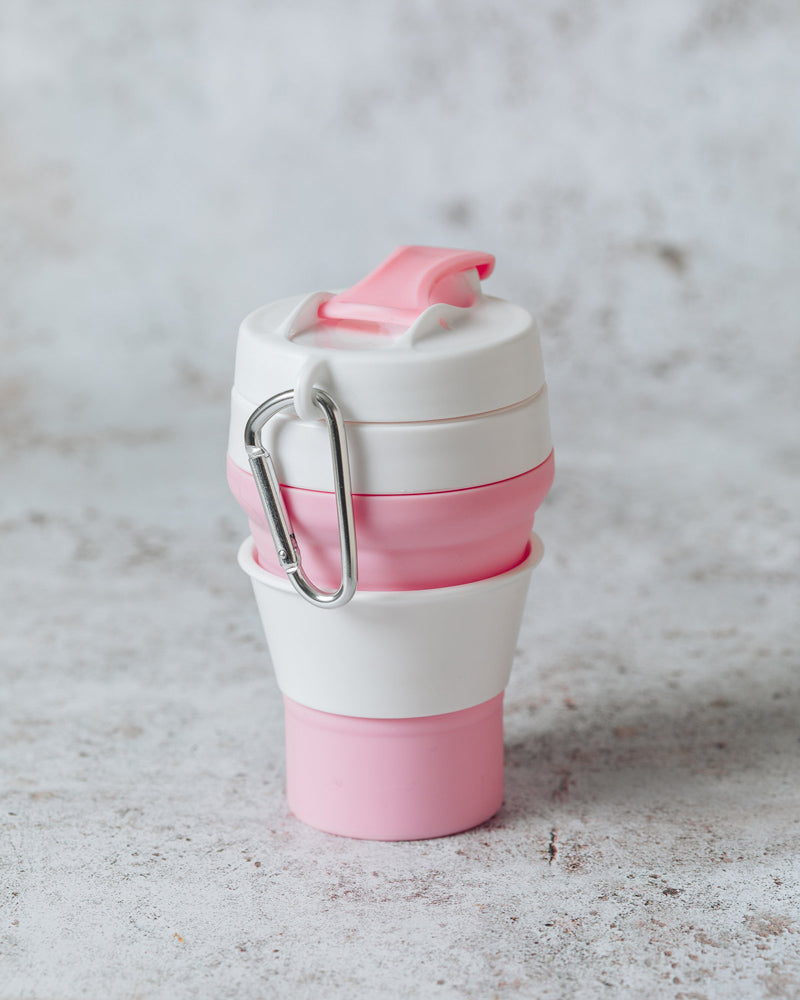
(277, 518)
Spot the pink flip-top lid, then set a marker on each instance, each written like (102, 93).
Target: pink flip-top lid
(416, 339)
(407, 283)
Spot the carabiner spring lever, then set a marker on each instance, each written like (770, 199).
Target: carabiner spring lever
(277, 517)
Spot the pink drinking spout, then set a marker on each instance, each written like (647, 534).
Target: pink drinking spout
(408, 282)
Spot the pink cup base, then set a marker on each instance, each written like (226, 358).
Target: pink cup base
(395, 779)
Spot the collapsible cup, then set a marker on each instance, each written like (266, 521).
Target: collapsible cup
(390, 446)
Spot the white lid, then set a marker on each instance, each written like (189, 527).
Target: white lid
(415, 340)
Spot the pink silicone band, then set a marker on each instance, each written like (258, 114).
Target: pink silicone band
(395, 779)
(406, 542)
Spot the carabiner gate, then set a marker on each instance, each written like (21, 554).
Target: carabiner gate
(277, 517)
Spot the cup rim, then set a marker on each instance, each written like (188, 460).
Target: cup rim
(533, 556)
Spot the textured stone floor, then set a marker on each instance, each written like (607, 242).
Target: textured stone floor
(634, 169)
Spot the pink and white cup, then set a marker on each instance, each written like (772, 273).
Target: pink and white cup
(390, 445)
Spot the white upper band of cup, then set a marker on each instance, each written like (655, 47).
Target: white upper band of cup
(399, 654)
(404, 458)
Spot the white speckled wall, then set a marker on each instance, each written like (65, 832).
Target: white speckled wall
(164, 168)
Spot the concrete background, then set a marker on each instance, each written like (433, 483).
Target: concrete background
(164, 168)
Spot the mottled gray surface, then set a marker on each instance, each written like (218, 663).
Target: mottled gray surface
(165, 168)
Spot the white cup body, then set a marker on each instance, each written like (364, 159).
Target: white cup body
(394, 654)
